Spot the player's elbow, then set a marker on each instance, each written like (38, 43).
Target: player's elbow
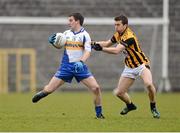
(116, 51)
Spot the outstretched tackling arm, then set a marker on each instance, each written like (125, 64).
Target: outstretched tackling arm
(111, 50)
(114, 50)
(107, 43)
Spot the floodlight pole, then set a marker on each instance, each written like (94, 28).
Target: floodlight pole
(165, 83)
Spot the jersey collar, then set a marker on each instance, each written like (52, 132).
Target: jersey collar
(81, 30)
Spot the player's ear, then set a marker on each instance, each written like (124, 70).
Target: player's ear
(78, 22)
(125, 25)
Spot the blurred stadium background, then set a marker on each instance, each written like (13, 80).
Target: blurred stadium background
(27, 61)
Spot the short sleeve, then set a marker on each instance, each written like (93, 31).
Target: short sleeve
(113, 39)
(128, 42)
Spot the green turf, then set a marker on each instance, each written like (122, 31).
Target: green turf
(73, 111)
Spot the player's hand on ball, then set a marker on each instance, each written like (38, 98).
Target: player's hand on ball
(79, 66)
(52, 38)
(58, 40)
(96, 46)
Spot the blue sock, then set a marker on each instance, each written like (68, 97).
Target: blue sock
(98, 110)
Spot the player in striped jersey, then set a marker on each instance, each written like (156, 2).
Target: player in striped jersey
(77, 50)
(136, 64)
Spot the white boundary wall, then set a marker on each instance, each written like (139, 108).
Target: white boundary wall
(88, 21)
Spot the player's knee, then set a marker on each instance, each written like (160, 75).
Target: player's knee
(96, 90)
(150, 87)
(118, 92)
(148, 84)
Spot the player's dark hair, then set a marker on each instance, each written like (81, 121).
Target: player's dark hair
(78, 16)
(122, 18)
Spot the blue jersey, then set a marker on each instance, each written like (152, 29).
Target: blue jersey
(75, 45)
(74, 48)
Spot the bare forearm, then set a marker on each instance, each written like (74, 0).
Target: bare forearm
(114, 50)
(110, 50)
(85, 56)
(105, 43)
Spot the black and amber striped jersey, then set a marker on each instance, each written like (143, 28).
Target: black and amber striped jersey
(134, 54)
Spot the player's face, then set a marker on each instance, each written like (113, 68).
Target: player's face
(72, 23)
(119, 27)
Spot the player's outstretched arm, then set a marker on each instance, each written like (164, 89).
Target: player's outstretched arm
(107, 43)
(114, 50)
(111, 50)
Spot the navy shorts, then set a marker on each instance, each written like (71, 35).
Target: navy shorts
(66, 72)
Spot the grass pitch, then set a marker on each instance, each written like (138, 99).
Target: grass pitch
(74, 111)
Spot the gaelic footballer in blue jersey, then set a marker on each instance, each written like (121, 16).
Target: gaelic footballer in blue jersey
(76, 51)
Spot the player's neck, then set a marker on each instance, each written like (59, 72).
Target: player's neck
(77, 29)
(123, 30)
